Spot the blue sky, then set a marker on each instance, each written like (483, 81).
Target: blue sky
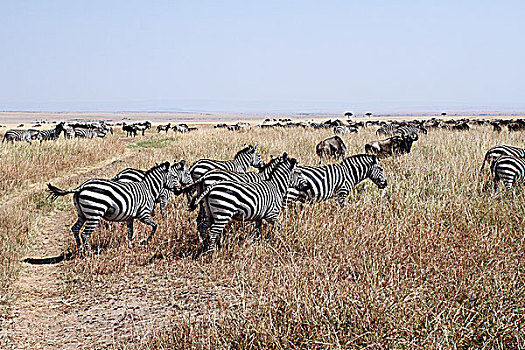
(262, 56)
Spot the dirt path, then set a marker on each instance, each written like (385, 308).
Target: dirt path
(39, 316)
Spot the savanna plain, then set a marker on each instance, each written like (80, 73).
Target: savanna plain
(435, 260)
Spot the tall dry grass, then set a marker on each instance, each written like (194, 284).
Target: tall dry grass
(23, 166)
(431, 261)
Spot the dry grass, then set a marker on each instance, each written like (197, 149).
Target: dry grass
(431, 261)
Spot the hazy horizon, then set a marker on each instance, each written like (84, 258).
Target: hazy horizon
(271, 57)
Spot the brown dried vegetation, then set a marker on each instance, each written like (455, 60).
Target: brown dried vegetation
(430, 261)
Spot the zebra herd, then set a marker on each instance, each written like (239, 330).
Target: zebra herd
(70, 130)
(224, 191)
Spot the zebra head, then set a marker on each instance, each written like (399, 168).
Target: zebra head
(177, 175)
(255, 158)
(377, 174)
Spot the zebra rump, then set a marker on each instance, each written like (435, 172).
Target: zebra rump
(510, 170)
(330, 180)
(503, 150)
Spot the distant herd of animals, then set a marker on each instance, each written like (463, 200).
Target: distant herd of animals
(224, 190)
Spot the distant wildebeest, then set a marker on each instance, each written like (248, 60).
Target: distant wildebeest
(461, 126)
(394, 145)
(332, 147)
(131, 130)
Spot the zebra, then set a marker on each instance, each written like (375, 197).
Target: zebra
(503, 150)
(407, 130)
(20, 135)
(341, 129)
(51, 134)
(253, 201)
(97, 199)
(137, 175)
(142, 127)
(246, 157)
(163, 128)
(510, 170)
(338, 179)
(217, 175)
(387, 129)
(88, 133)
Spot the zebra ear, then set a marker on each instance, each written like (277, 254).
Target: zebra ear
(285, 155)
(255, 145)
(293, 162)
(182, 163)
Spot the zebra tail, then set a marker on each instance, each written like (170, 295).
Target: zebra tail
(55, 192)
(196, 200)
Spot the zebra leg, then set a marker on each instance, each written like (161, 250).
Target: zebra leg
(203, 223)
(91, 224)
(258, 228)
(148, 220)
(216, 231)
(76, 230)
(163, 202)
(341, 198)
(129, 225)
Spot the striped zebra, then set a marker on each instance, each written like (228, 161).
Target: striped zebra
(51, 134)
(13, 135)
(255, 201)
(246, 157)
(217, 175)
(510, 170)
(98, 199)
(409, 129)
(498, 151)
(338, 179)
(387, 129)
(137, 175)
(83, 133)
(341, 129)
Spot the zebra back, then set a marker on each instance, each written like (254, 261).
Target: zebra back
(245, 158)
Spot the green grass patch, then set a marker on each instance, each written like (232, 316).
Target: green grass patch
(151, 143)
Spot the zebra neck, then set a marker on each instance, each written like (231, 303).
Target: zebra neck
(242, 162)
(154, 183)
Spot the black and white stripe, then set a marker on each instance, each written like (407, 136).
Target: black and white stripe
(387, 129)
(217, 175)
(88, 133)
(51, 134)
(510, 170)
(253, 201)
(409, 130)
(330, 180)
(13, 135)
(503, 150)
(137, 175)
(98, 199)
(245, 158)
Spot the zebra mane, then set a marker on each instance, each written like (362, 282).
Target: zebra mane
(164, 166)
(247, 149)
(281, 160)
(372, 157)
(272, 161)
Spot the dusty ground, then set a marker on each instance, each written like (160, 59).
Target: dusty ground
(46, 314)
